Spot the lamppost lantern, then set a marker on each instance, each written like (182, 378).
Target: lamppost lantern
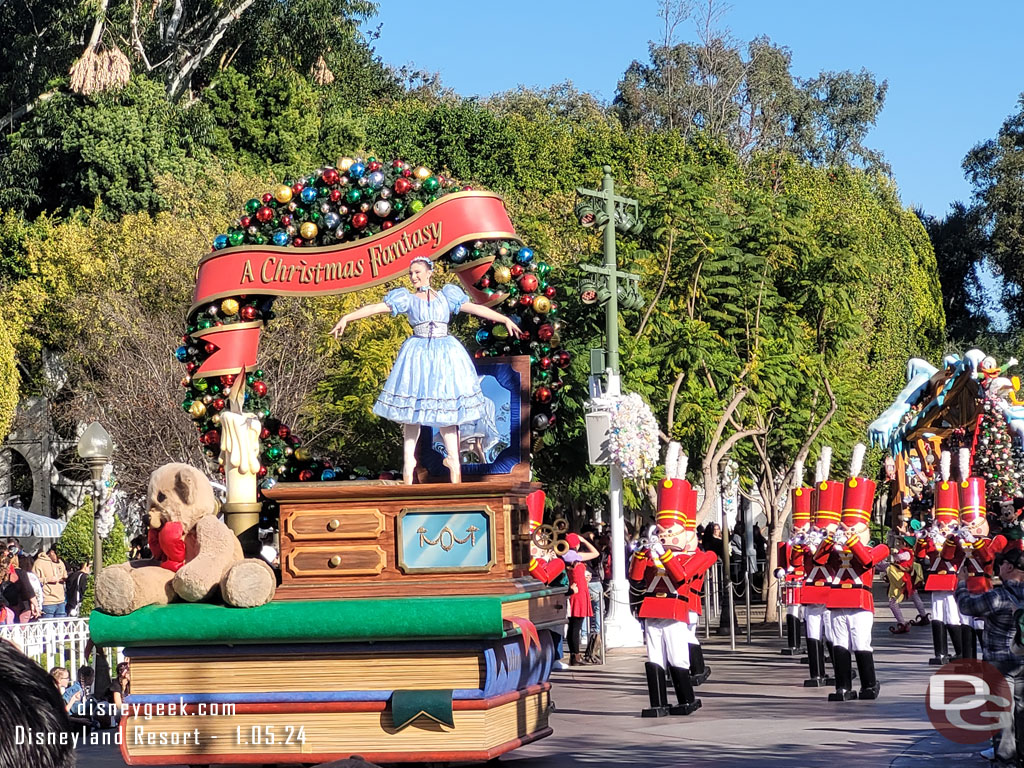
(95, 448)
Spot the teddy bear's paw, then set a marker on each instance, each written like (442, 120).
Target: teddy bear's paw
(115, 591)
(249, 583)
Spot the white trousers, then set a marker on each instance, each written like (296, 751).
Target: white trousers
(851, 628)
(795, 610)
(668, 642)
(944, 608)
(693, 625)
(816, 616)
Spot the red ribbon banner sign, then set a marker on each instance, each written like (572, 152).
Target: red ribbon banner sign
(333, 269)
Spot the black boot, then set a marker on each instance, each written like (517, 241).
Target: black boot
(842, 662)
(939, 644)
(657, 690)
(969, 641)
(956, 637)
(792, 636)
(869, 685)
(688, 702)
(816, 664)
(699, 671)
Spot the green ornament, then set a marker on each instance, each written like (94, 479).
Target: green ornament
(237, 237)
(353, 195)
(258, 373)
(431, 184)
(200, 384)
(260, 240)
(252, 205)
(397, 205)
(273, 453)
(416, 206)
(543, 269)
(205, 323)
(250, 379)
(186, 403)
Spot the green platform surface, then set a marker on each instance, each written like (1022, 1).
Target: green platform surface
(293, 621)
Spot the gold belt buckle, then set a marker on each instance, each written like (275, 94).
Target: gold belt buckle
(661, 594)
(846, 586)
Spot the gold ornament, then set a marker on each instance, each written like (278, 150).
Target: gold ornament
(345, 163)
(422, 173)
(215, 418)
(229, 307)
(308, 230)
(542, 305)
(283, 193)
(502, 274)
(302, 454)
(198, 410)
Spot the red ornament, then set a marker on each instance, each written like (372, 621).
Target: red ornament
(330, 177)
(211, 438)
(267, 198)
(387, 225)
(517, 270)
(550, 291)
(528, 283)
(245, 221)
(374, 166)
(485, 282)
(526, 300)
(306, 475)
(298, 241)
(265, 214)
(546, 363)
(283, 431)
(286, 219)
(542, 395)
(248, 312)
(402, 185)
(218, 404)
(264, 433)
(397, 165)
(228, 380)
(259, 388)
(191, 367)
(407, 172)
(545, 332)
(335, 195)
(563, 359)
(210, 348)
(262, 472)
(297, 187)
(360, 220)
(479, 353)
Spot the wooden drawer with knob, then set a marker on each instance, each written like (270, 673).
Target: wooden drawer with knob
(331, 525)
(306, 561)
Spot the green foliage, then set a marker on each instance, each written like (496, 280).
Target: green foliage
(995, 169)
(75, 546)
(9, 381)
(960, 243)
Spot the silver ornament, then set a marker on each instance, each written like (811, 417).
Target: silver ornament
(382, 208)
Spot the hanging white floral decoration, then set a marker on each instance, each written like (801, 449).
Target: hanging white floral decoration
(633, 440)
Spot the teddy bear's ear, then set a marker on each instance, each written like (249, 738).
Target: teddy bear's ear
(184, 486)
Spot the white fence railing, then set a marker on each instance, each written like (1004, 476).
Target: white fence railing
(56, 643)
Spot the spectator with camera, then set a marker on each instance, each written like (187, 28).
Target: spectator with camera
(997, 607)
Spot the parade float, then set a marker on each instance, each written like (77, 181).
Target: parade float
(969, 403)
(411, 621)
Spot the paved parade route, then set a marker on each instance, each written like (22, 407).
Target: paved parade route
(755, 713)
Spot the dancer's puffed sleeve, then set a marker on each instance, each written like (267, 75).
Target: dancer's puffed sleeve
(397, 300)
(455, 297)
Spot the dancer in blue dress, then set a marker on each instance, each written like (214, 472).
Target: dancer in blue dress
(433, 382)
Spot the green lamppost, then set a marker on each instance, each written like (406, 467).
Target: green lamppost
(613, 213)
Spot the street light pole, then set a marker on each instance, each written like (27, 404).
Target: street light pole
(95, 448)
(622, 630)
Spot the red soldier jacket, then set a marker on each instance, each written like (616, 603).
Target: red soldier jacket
(979, 557)
(820, 574)
(854, 567)
(793, 558)
(667, 592)
(941, 565)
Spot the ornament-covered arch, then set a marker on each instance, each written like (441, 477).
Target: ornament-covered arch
(343, 229)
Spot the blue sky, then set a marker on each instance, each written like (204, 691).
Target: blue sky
(952, 66)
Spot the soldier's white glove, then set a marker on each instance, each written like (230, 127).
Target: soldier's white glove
(779, 573)
(657, 548)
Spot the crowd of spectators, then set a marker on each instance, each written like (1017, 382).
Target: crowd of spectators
(38, 586)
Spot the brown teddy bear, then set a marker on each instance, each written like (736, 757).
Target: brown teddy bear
(195, 555)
